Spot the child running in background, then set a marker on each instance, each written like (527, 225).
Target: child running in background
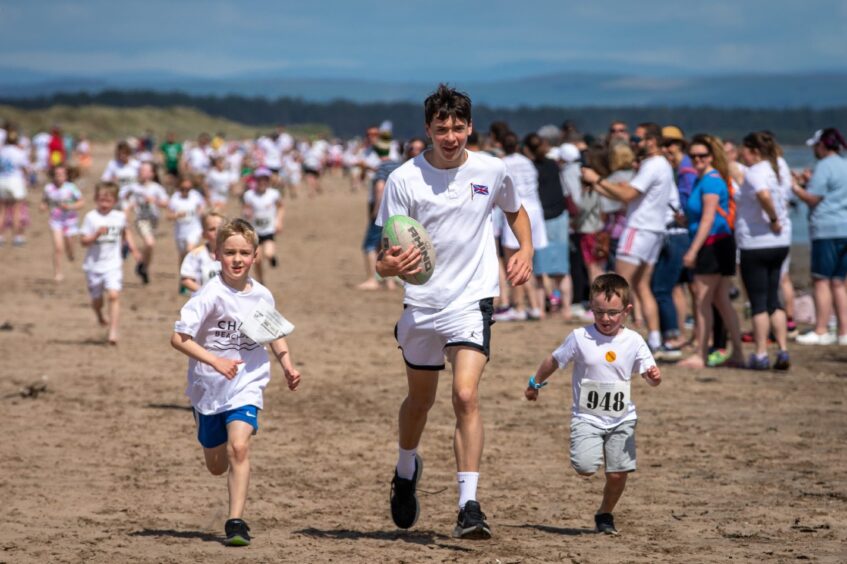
(103, 233)
(219, 182)
(264, 208)
(202, 264)
(63, 200)
(145, 199)
(228, 371)
(185, 208)
(605, 355)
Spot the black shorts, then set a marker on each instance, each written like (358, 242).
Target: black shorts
(274, 170)
(263, 238)
(717, 258)
(311, 171)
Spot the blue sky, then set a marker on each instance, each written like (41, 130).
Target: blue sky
(403, 40)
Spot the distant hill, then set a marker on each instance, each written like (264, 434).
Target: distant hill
(103, 111)
(815, 90)
(103, 123)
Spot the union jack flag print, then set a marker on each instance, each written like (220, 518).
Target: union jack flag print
(480, 189)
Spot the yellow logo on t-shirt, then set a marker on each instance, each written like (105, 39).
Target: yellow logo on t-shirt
(611, 356)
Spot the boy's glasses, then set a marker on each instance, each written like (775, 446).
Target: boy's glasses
(612, 313)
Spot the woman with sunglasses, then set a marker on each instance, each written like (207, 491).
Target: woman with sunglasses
(764, 245)
(711, 254)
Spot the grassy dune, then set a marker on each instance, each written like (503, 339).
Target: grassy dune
(103, 123)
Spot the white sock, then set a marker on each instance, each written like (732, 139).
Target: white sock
(467, 487)
(654, 339)
(406, 463)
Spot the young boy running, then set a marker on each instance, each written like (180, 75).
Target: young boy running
(451, 192)
(201, 264)
(228, 371)
(103, 233)
(264, 208)
(605, 355)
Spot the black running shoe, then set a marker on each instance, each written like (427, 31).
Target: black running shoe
(404, 501)
(471, 523)
(237, 533)
(605, 523)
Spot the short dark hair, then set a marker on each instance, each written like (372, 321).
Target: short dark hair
(652, 131)
(447, 102)
(611, 284)
(497, 130)
(510, 143)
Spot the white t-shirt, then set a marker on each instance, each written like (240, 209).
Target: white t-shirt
(525, 177)
(199, 159)
(200, 266)
(192, 206)
(219, 182)
(454, 206)
(13, 162)
(752, 224)
(284, 142)
(213, 317)
(121, 174)
(600, 358)
(139, 195)
(655, 182)
(787, 192)
(264, 208)
(104, 254)
(271, 153)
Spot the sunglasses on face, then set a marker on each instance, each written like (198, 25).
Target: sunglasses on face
(618, 130)
(695, 156)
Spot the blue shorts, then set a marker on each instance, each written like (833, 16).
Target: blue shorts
(211, 429)
(829, 258)
(372, 237)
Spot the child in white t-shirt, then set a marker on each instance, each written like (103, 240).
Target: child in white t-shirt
(63, 200)
(219, 182)
(103, 233)
(185, 208)
(264, 208)
(201, 264)
(227, 370)
(144, 199)
(605, 355)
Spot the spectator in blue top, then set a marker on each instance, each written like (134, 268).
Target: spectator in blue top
(826, 195)
(711, 254)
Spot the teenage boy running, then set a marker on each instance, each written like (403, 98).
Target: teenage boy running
(451, 192)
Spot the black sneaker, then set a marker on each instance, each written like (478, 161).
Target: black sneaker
(605, 523)
(404, 502)
(471, 523)
(141, 271)
(237, 533)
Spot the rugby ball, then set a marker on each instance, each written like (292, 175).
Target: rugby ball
(402, 231)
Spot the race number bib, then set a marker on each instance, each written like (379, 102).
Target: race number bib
(603, 399)
(265, 324)
(262, 222)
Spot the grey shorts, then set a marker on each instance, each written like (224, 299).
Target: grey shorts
(592, 446)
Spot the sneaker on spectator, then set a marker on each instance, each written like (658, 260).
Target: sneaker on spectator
(812, 338)
(510, 314)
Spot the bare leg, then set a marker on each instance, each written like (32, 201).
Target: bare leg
(468, 440)
(730, 318)
(823, 305)
(839, 297)
(615, 484)
(238, 456)
(97, 306)
(787, 287)
(58, 251)
(705, 287)
(216, 459)
(779, 328)
(370, 282)
(114, 315)
(413, 412)
(760, 332)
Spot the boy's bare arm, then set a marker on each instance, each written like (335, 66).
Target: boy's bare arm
(283, 356)
(547, 367)
(189, 347)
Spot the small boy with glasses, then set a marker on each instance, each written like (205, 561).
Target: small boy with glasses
(605, 354)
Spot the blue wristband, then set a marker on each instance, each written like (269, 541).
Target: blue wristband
(535, 385)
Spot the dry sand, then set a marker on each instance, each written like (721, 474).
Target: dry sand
(103, 466)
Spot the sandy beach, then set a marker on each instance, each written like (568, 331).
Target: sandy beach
(103, 465)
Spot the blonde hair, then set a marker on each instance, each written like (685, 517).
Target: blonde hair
(621, 157)
(210, 215)
(104, 186)
(237, 226)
